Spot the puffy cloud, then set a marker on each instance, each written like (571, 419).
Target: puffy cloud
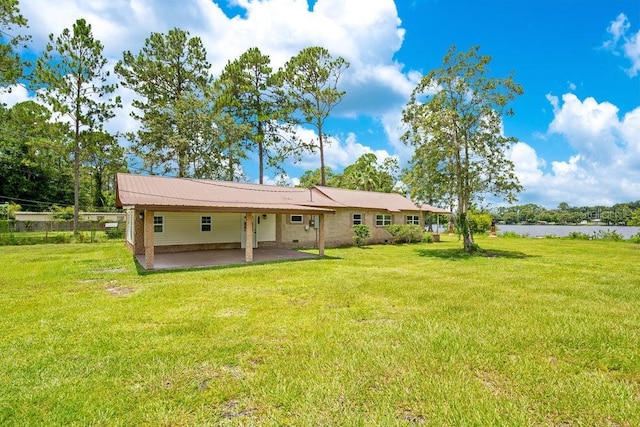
(606, 166)
(367, 33)
(17, 94)
(337, 153)
(527, 164)
(589, 126)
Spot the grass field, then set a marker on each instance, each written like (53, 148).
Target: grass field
(541, 332)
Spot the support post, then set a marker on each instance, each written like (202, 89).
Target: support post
(149, 252)
(321, 235)
(248, 228)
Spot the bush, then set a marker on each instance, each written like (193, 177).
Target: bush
(362, 234)
(7, 210)
(479, 222)
(577, 235)
(6, 225)
(510, 235)
(612, 236)
(60, 213)
(114, 233)
(427, 238)
(635, 239)
(406, 233)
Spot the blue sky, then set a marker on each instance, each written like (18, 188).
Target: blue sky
(578, 122)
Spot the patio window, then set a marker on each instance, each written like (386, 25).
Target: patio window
(356, 219)
(158, 224)
(382, 220)
(205, 223)
(296, 219)
(413, 219)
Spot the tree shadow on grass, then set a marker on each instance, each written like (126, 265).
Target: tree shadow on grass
(461, 255)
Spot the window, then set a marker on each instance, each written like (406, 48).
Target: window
(413, 219)
(382, 220)
(158, 224)
(296, 219)
(356, 219)
(205, 223)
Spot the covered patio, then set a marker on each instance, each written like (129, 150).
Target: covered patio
(219, 257)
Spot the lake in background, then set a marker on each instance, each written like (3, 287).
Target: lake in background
(565, 230)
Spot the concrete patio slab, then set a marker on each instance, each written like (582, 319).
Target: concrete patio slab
(201, 259)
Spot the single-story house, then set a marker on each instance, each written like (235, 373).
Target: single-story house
(181, 214)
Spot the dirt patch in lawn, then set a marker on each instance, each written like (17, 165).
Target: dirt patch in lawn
(118, 291)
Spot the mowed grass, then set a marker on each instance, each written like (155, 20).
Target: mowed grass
(541, 332)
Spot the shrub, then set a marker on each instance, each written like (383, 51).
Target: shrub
(115, 233)
(60, 213)
(635, 239)
(406, 233)
(7, 210)
(577, 235)
(510, 235)
(6, 225)
(612, 236)
(479, 222)
(427, 238)
(362, 234)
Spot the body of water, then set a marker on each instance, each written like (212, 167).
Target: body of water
(565, 230)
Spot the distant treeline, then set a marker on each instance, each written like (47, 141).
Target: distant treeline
(620, 214)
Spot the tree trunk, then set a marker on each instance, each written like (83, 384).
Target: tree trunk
(465, 231)
(76, 182)
(261, 151)
(323, 181)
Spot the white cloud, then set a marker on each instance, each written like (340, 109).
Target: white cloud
(337, 153)
(606, 166)
(623, 43)
(589, 126)
(617, 29)
(16, 95)
(527, 164)
(367, 33)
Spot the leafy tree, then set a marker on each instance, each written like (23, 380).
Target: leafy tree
(454, 122)
(635, 218)
(368, 175)
(11, 66)
(251, 94)
(34, 157)
(224, 159)
(311, 178)
(8, 211)
(105, 158)
(171, 76)
(74, 84)
(310, 82)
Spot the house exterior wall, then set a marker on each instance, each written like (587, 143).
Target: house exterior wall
(182, 231)
(338, 228)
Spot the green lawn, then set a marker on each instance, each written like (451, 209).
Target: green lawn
(542, 332)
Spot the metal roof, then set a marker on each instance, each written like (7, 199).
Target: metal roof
(391, 202)
(158, 192)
